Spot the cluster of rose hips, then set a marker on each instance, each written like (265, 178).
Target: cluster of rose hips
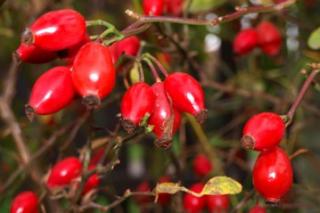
(265, 36)
(158, 7)
(272, 173)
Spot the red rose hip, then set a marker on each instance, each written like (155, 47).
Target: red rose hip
(128, 46)
(191, 203)
(25, 202)
(202, 165)
(93, 73)
(153, 7)
(64, 172)
(34, 55)
(269, 38)
(263, 131)
(164, 198)
(186, 94)
(174, 7)
(272, 174)
(92, 182)
(257, 209)
(218, 203)
(52, 92)
(56, 30)
(245, 41)
(137, 102)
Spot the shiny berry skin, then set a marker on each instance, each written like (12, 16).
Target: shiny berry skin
(143, 199)
(193, 204)
(25, 202)
(128, 46)
(202, 165)
(257, 209)
(56, 30)
(263, 131)
(137, 102)
(34, 55)
(174, 7)
(218, 203)
(245, 41)
(153, 7)
(272, 174)
(92, 183)
(63, 172)
(52, 92)
(269, 38)
(163, 127)
(186, 94)
(164, 198)
(93, 73)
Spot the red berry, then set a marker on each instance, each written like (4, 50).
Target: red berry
(143, 199)
(56, 30)
(263, 131)
(128, 46)
(96, 157)
(25, 202)
(153, 7)
(92, 182)
(186, 94)
(174, 7)
(161, 118)
(93, 73)
(137, 102)
(272, 174)
(257, 209)
(218, 203)
(202, 165)
(52, 92)
(191, 203)
(64, 172)
(34, 55)
(245, 41)
(164, 198)
(269, 38)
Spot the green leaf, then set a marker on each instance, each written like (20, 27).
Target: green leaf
(204, 5)
(221, 185)
(314, 39)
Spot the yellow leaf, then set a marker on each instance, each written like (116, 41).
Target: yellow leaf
(221, 185)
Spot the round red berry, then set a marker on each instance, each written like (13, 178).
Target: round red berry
(34, 55)
(245, 41)
(143, 199)
(174, 7)
(186, 94)
(128, 46)
(263, 131)
(257, 209)
(191, 203)
(269, 38)
(92, 183)
(153, 7)
(64, 172)
(272, 174)
(25, 202)
(218, 203)
(202, 165)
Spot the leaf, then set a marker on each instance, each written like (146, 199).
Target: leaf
(204, 5)
(168, 188)
(221, 185)
(314, 39)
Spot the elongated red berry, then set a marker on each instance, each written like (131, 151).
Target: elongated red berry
(96, 157)
(128, 46)
(56, 30)
(272, 174)
(186, 94)
(34, 55)
(153, 7)
(263, 131)
(202, 165)
(218, 203)
(245, 41)
(269, 38)
(92, 183)
(137, 102)
(25, 202)
(174, 7)
(257, 209)
(164, 198)
(93, 73)
(64, 172)
(193, 204)
(52, 92)
(165, 119)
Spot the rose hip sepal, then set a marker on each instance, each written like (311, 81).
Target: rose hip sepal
(272, 174)
(93, 73)
(137, 102)
(245, 41)
(269, 38)
(128, 46)
(263, 131)
(34, 55)
(153, 7)
(64, 172)
(56, 30)
(52, 92)
(193, 204)
(165, 119)
(202, 165)
(186, 94)
(25, 202)
(218, 203)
